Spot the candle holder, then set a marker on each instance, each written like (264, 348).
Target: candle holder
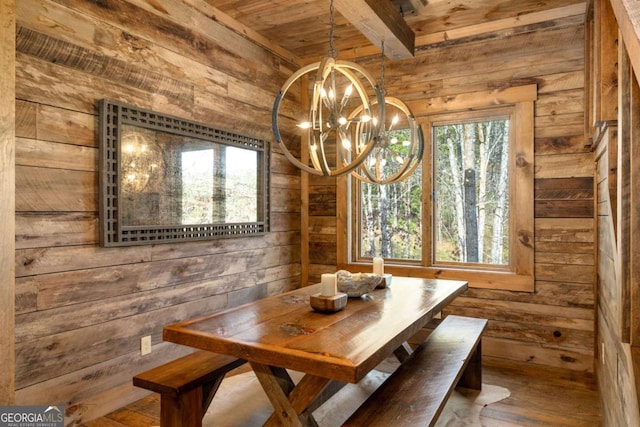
(328, 304)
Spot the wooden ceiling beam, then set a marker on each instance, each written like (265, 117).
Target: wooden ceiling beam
(379, 21)
(577, 9)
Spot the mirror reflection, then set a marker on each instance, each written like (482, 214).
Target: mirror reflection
(172, 179)
(165, 179)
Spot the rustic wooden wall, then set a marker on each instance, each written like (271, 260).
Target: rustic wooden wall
(555, 324)
(615, 105)
(81, 309)
(615, 367)
(7, 199)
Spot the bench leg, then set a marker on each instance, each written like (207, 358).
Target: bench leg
(472, 374)
(182, 411)
(208, 391)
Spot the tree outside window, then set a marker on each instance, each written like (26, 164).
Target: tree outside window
(471, 197)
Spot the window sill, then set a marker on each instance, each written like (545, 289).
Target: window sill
(507, 281)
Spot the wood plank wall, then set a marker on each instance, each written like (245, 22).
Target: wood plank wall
(615, 104)
(615, 371)
(7, 199)
(81, 309)
(555, 324)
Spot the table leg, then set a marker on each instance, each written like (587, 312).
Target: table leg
(290, 401)
(403, 352)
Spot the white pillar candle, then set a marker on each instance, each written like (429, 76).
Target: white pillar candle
(378, 266)
(328, 285)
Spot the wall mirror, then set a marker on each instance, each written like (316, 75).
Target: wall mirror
(165, 179)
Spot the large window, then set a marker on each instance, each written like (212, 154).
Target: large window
(467, 211)
(471, 191)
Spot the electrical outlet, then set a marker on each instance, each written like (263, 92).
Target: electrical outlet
(145, 345)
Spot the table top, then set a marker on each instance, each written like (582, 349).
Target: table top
(284, 331)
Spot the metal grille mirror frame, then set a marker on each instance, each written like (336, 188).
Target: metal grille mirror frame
(113, 231)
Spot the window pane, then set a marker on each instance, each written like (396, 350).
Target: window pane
(391, 219)
(471, 204)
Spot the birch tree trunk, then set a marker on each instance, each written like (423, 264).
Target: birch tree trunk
(497, 242)
(456, 172)
(470, 202)
(482, 186)
(407, 217)
(384, 222)
(367, 207)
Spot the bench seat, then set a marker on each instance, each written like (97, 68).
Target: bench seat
(415, 394)
(187, 385)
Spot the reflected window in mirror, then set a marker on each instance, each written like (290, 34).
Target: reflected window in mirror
(167, 179)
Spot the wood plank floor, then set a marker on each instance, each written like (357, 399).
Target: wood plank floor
(540, 396)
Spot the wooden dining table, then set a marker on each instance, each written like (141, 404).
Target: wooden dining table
(284, 332)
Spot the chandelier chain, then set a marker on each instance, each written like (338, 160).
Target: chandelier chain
(333, 53)
(384, 90)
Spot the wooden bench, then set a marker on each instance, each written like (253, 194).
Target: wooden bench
(416, 392)
(187, 385)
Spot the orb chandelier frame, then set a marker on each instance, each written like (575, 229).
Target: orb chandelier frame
(329, 126)
(373, 170)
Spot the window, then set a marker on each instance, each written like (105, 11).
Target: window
(467, 211)
(471, 191)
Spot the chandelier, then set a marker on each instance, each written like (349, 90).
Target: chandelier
(399, 147)
(342, 125)
(140, 161)
(399, 143)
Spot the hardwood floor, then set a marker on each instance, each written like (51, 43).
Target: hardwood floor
(540, 396)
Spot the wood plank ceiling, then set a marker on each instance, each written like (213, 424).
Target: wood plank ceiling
(299, 29)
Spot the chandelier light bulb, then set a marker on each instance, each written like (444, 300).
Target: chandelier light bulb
(348, 91)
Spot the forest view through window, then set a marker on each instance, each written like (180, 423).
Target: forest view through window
(391, 219)
(471, 192)
(470, 203)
